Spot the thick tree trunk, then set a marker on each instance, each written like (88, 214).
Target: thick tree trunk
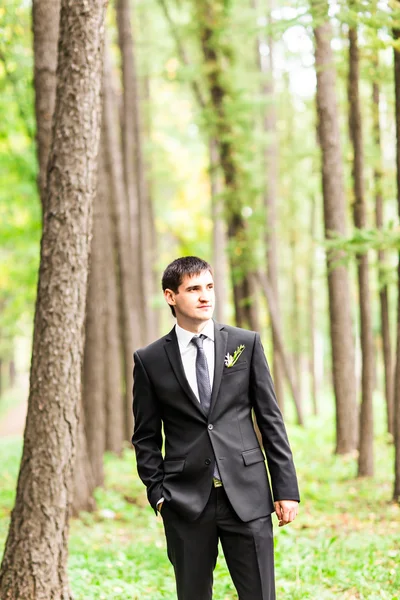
(334, 217)
(94, 364)
(34, 562)
(396, 488)
(130, 333)
(45, 25)
(366, 453)
(383, 287)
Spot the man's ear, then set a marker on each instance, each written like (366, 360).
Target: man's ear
(169, 295)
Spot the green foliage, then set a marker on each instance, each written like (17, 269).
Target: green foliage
(20, 214)
(344, 544)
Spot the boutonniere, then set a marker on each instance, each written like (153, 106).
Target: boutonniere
(230, 359)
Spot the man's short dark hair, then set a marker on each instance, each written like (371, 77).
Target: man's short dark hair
(179, 268)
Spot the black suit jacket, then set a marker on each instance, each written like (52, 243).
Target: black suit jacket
(162, 397)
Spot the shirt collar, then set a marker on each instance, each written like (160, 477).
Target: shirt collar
(185, 337)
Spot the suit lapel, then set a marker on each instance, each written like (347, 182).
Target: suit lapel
(175, 359)
(221, 343)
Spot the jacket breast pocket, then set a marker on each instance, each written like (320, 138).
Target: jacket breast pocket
(250, 457)
(235, 368)
(174, 466)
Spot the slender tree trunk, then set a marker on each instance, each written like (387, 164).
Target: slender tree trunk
(94, 352)
(311, 311)
(212, 18)
(383, 287)
(12, 373)
(286, 363)
(218, 236)
(83, 479)
(396, 489)
(130, 333)
(334, 217)
(1, 377)
(296, 319)
(113, 366)
(34, 562)
(366, 453)
(45, 25)
(271, 154)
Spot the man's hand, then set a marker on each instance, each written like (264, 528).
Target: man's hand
(286, 511)
(159, 505)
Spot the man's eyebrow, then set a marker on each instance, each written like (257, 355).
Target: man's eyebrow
(192, 287)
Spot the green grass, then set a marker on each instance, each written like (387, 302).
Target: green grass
(345, 543)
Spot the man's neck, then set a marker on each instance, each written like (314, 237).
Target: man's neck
(192, 327)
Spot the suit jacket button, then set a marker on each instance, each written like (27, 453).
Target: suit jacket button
(210, 427)
(207, 461)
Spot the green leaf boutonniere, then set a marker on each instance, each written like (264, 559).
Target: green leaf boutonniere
(231, 360)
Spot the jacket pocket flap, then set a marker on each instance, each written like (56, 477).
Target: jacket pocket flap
(174, 466)
(253, 456)
(238, 367)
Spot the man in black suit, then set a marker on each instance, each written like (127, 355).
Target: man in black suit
(201, 383)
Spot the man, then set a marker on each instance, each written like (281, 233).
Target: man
(201, 382)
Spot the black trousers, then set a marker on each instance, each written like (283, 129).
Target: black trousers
(193, 548)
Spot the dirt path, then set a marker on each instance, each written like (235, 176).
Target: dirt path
(13, 423)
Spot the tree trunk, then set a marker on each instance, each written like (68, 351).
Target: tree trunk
(286, 363)
(218, 235)
(12, 373)
(211, 20)
(334, 218)
(271, 154)
(366, 452)
(130, 333)
(113, 367)
(311, 311)
(396, 488)
(83, 479)
(45, 25)
(134, 169)
(383, 287)
(34, 562)
(94, 353)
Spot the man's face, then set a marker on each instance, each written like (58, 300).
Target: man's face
(194, 300)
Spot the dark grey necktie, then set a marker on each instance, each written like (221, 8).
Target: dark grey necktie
(203, 382)
(202, 375)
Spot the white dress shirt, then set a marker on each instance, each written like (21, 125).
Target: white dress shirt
(189, 354)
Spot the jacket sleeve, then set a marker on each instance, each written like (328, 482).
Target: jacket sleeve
(272, 428)
(147, 436)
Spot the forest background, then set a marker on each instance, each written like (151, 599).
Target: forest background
(265, 138)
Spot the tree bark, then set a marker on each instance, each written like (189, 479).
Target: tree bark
(334, 218)
(396, 488)
(34, 562)
(130, 333)
(45, 25)
(366, 451)
(134, 169)
(94, 353)
(83, 482)
(383, 287)
(113, 366)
